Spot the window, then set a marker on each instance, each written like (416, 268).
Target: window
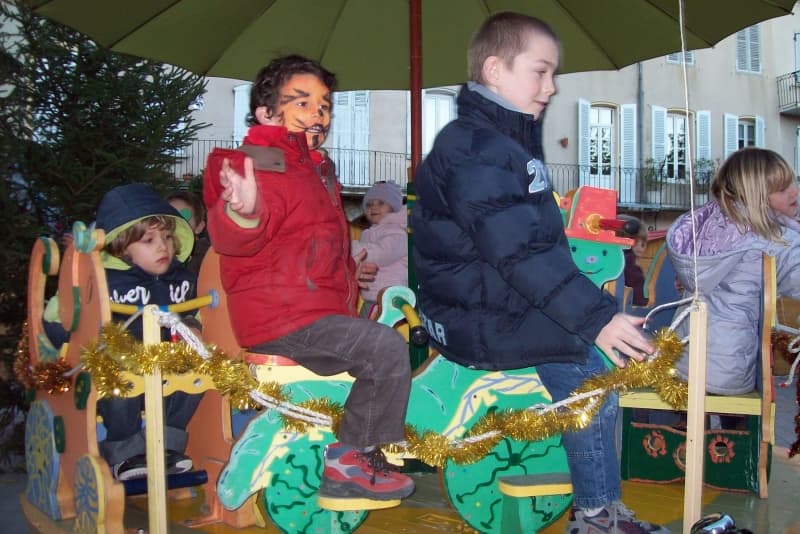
(438, 108)
(676, 57)
(746, 133)
(607, 147)
(748, 50)
(241, 109)
(743, 131)
(675, 146)
(601, 129)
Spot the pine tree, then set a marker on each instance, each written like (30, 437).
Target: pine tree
(75, 121)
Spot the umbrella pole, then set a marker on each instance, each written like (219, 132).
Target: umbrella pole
(415, 85)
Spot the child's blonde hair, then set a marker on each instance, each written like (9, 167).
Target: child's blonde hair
(134, 233)
(742, 187)
(504, 35)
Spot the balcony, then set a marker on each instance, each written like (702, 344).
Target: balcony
(359, 169)
(789, 94)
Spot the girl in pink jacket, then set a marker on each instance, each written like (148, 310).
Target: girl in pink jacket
(385, 241)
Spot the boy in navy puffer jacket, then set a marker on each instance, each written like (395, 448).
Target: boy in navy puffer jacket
(497, 282)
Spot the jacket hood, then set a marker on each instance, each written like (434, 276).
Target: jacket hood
(125, 205)
(720, 245)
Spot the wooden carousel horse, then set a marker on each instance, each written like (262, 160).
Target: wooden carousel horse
(67, 478)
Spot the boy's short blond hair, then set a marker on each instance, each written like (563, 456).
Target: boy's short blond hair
(504, 35)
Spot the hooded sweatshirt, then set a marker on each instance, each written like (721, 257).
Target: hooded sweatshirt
(119, 209)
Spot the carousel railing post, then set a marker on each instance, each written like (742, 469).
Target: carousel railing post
(154, 429)
(695, 423)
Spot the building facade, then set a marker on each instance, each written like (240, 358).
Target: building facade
(631, 130)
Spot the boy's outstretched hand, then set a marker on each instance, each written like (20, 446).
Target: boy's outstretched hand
(623, 335)
(240, 192)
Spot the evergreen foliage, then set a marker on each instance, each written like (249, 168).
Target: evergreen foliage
(75, 121)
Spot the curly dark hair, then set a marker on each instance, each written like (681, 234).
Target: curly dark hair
(270, 79)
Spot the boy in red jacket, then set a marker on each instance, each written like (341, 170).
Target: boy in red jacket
(275, 217)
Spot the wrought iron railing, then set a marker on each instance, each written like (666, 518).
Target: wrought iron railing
(359, 169)
(789, 92)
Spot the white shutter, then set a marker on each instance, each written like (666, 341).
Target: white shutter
(741, 50)
(731, 135)
(658, 140)
(360, 141)
(703, 135)
(797, 151)
(627, 153)
(241, 109)
(755, 48)
(583, 140)
(341, 136)
(760, 132)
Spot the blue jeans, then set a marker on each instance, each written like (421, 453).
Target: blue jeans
(591, 452)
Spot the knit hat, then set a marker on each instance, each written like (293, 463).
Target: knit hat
(389, 192)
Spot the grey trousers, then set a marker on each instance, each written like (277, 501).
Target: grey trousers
(374, 354)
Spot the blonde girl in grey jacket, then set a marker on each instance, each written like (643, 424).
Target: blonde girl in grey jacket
(753, 211)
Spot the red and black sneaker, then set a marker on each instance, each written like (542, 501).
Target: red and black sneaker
(352, 473)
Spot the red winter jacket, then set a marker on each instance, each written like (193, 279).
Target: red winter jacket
(291, 265)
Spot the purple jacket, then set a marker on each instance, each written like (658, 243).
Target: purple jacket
(386, 244)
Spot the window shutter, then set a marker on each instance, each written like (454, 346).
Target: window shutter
(360, 139)
(241, 108)
(760, 131)
(741, 50)
(361, 120)
(583, 140)
(341, 129)
(731, 134)
(627, 153)
(755, 48)
(659, 117)
(341, 136)
(703, 135)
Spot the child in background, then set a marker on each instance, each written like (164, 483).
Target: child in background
(275, 216)
(191, 208)
(633, 274)
(493, 263)
(753, 210)
(385, 241)
(147, 242)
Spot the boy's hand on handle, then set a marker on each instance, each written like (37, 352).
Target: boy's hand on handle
(240, 192)
(623, 335)
(365, 270)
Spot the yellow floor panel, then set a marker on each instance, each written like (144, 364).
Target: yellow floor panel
(427, 511)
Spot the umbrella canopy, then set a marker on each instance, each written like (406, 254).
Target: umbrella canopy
(366, 42)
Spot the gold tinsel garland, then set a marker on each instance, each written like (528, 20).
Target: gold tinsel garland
(117, 352)
(48, 376)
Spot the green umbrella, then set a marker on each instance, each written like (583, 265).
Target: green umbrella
(366, 42)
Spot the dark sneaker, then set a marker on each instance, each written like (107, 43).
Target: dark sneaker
(615, 518)
(351, 473)
(133, 467)
(177, 462)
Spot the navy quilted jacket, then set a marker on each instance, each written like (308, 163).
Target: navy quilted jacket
(497, 285)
